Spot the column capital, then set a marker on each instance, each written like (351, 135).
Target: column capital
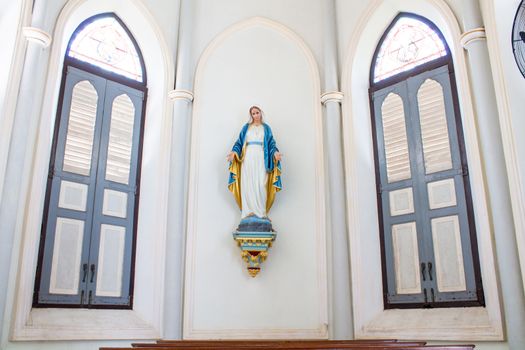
(471, 36)
(332, 96)
(180, 94)
(37, 35)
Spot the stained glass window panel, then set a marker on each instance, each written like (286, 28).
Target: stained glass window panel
(105, 44)
(408, 44)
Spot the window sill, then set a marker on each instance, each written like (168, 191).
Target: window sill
(84, 324)
(458, 324)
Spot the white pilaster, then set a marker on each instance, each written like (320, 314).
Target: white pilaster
(180, 94)
(340, 309)
(36, 35)
(496, 177)
(182, 98)
(332, 96)
(20, 154)
(471, 36)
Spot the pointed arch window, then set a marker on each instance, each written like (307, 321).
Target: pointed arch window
(105, 43)
(87, 248)
(429, 249)
(409, 43)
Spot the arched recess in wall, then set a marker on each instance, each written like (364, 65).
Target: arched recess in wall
(257, 61)
(508, 83)
(144, 320)
(370, 317)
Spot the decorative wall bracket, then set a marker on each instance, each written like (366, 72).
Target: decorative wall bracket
(254, 248)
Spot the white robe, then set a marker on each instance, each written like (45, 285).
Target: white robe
(253, 175)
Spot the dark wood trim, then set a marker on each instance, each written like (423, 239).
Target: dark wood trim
(443, 61)
(438, 62)
(137, 197)
(80, 306)
(70, 62)
(434, 305)
(378, 198)
(117, 78)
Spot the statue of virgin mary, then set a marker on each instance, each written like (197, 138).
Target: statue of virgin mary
(255, 168)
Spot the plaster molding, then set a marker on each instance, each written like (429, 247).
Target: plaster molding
(189, 286)
(180, 94)
(370, 318)
(48, 324)
(12, 89)
(36, 35)
(332, 96)
(471, 36)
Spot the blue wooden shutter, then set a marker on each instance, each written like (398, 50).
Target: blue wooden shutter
(91, 201)
(430, 254)
(116, 189)
(71, 190)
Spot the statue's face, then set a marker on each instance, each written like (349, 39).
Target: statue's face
(256, 115)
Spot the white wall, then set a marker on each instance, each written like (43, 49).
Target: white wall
(9, 19)
(302, 17)
(369, 317)
(271, 67)
(145, 321)
(510, 84)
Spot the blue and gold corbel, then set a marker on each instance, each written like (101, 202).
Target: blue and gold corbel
(255, 237)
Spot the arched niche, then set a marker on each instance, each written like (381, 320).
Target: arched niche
(261, 62)
(144, 320)
(370, 317)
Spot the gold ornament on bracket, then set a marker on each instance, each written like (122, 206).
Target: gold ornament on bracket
(254, 248)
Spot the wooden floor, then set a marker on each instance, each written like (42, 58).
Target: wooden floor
(386, 344)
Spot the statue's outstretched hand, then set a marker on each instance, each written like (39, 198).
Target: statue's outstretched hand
(277, 156)
(230, 156)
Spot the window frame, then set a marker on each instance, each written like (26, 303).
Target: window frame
(397, 77)
(444, 61)
(92, 19)
(119, 79)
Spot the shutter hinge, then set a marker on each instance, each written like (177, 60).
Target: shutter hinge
(51, 173)
(464, 170)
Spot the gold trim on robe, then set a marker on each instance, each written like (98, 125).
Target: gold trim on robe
(235, 169)
(235, 187)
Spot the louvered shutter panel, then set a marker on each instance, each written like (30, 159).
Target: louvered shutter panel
(429, 240)
(395, 138)
(401, 236)
(434, 130)
(116, 190)
(71, 190)
(443, 182)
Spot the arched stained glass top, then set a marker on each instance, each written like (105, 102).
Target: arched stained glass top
(105, 43)
(409, 42)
